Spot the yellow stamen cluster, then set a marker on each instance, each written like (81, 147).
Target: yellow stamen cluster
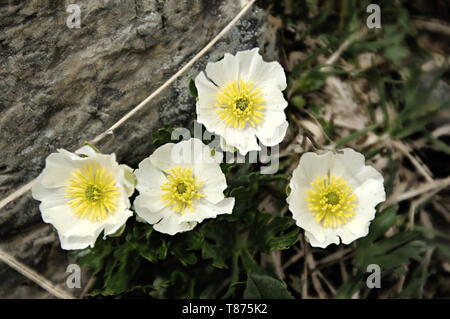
(239, 103)
(92, 192)
(181, 189)
(331, 200)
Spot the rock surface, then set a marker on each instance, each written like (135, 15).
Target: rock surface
(61, 86)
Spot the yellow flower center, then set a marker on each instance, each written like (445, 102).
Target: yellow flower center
(181, 189)
(93, 193)
(239, 103)
(331, 200)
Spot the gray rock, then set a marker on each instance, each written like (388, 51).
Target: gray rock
(61, 86)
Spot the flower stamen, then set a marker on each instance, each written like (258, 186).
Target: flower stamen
(239, 103)
(92, 192)
(331, 200)
(181, 189)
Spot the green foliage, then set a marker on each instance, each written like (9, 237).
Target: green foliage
(192, 88)
(162, 136)
(390, 252)
(265, 287)
(418, 110)
(264, 229)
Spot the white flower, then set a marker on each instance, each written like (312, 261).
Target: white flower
(179, 186)
(333, 196)
(240, 98)
(83, 194)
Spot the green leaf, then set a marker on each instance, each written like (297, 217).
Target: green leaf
(219, 242)
(193, 88)
(185, 257)
(266, 287)
(184, 248)
(288, 190)
(147, 252)
(250, 264)
(162, 136)
(284, 241)
(95, 258)
(120, 272)
(267, 233)
(391, 252)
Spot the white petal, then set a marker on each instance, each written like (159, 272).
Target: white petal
(183, 154)
(115, 221)
(149, 178)
(211, 121)
(127, 179)
(226, 147)
(273, 98)
(214, 182)
(106, 161)
(369, 194)
(161, 157)
(243, 139)
(77, 242)
(252, 67)
(58, 169)
(149, 206)
(42, 193)
(347, 165)
(207, 93)
(204, 209)
(273, 126)
(323, 243)
(73, 232)
(311, 166)
(303, 217)
(223, 71)
(170, 224)
(270, 133)
(206, 111)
